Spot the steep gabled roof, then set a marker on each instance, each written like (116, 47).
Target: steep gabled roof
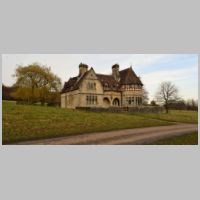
(73, 83)
(128, 76)
(80, 79)
(69, 85)
(108, 81)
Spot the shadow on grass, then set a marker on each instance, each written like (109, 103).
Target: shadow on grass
(187, 139)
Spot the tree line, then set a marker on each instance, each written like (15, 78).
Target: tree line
(181, 104)
(168, 96)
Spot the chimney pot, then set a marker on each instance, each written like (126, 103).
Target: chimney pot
(115, 72)
(82, 69)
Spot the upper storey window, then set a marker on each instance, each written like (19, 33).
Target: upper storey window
(106, 86)
(132, 87)
(91, 86)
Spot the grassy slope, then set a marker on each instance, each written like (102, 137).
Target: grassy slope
(188, 139)
(24, 122)
(175, 116)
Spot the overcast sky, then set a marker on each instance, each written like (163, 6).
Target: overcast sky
(181, 69)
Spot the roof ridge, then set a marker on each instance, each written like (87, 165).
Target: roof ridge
(73, 77)
(104, 74)
(125, 69)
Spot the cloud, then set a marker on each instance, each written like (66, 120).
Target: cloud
(168, 75)
(147, 60)
(185, 79)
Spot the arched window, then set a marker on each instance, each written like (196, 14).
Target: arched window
(116, 102)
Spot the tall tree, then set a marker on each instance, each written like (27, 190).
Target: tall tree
(166, 93)
(153, 103)
(35, 83)
(145, 97)
(191, 104)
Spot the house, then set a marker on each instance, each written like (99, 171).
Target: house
(89, 89)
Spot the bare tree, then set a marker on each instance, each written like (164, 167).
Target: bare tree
(153, 103)
(145, 97)
(192, 104)
(166, 93)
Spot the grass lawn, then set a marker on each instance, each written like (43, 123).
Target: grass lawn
(25, 122)
(188, 139)
(175, 116)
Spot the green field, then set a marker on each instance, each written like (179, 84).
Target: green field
(25, 122)
(188, 139)
(175, 116)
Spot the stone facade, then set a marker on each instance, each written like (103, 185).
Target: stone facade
(121, 89)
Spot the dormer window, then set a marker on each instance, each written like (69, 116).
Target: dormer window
(106, 85)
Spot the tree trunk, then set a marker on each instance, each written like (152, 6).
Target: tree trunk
(42, 102)
(166, 108)
(32, 94)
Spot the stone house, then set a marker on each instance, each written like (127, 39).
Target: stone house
(89, 89)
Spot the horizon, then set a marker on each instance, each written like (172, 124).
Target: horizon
(180, 69)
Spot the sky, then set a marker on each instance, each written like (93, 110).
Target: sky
(180, 69)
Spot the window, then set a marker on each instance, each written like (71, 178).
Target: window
(138, 87)
(91, 86)
(114, 87)
(128, 87)
(91, 100)
(138, 101)
(134, 101)
(106, 85)
(129, 100)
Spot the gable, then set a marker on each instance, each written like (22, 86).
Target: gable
(69, 85)
(108, 82)
(91, 75)
(128, 77)
(91, 83)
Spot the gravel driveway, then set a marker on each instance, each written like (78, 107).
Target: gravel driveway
(128, 136)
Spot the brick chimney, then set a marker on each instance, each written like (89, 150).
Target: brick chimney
(82, 69)
(115, 72)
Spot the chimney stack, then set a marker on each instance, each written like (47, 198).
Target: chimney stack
(115, 72)
(82, 69)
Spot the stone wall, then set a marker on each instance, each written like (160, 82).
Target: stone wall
(140, 109)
